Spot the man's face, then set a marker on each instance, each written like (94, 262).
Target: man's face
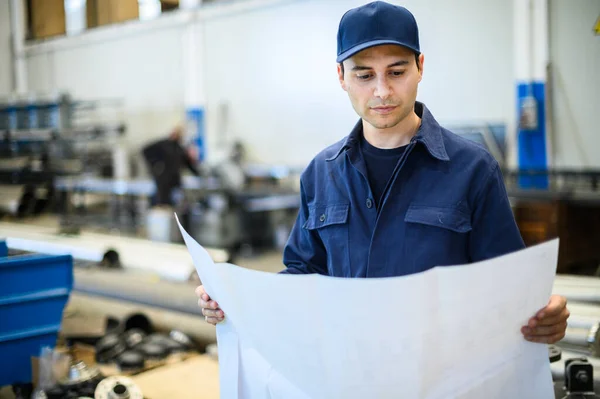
(382, 82)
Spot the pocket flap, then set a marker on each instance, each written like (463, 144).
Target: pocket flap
(326, 215)
(446, 218)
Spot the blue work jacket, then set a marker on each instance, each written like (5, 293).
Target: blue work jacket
(445, 204)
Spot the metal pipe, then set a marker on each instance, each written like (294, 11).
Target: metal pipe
(581, 294)
(578, 288)
(17, 21)
(587, 339)
(578, 321)
(137, 287)
(570, 279)
(168, 261)
(584, 309)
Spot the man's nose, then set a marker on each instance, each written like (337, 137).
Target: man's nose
(382, 88)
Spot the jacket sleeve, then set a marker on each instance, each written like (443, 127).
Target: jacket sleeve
(154, 152)
(187, 161)
(304, 252)
(494, 230)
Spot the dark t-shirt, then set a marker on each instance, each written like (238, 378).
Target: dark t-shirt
(380, 166)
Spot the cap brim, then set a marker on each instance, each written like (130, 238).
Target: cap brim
(350, 52)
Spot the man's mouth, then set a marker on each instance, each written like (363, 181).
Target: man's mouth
(383, 109)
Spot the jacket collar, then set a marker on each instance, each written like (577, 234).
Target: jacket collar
(430, 134)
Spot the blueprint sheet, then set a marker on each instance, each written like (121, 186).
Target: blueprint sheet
(450, 332)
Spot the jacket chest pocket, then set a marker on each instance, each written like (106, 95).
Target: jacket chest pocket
(330, 222)
(436, 236)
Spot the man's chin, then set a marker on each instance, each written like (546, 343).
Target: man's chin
(383, 124)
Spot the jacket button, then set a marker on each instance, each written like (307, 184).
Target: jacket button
(322, 218)
(369, 203)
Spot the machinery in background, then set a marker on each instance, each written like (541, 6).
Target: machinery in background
(573, 375)
(234, 206)
(569, 208)
(43, 136)
(492, 136)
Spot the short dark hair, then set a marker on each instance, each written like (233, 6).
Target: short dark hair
(416, 60)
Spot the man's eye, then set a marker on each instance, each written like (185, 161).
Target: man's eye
(363, 77)
(398, 73)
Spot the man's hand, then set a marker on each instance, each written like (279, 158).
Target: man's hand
(210, 309)
(548, 326)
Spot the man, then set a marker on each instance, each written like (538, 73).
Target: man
(165, 159)
(400, 194)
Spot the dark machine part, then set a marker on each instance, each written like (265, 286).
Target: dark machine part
(131, 361)
(133, 337)
(88, 391)
(173, 346)
(170, 345)
(152, 351)
(22, 391)
(140, 322)
(111, 260)
(182, 339)
(109, 347)
(82, 378)
(554, 353)
(81, 382)
(579, 377)
(55, 393)
(113, 326)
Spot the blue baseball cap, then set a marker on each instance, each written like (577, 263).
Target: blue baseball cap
(375, 24)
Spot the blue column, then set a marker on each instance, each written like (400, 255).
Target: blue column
(531, 55)
(532, 140)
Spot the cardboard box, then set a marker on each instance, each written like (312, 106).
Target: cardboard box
(46, 18)
(168, 5)
(196, 377)
(105, 12)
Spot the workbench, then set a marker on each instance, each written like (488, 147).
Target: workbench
(565, 204)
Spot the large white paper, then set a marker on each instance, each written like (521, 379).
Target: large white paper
(450, 332)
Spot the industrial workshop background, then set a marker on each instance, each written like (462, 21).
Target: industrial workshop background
(249, 87)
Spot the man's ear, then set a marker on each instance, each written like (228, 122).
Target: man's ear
(341, 76)
(421, 64)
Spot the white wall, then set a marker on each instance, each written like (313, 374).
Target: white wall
(142, 68)
(575, 56)
(5, 52)
(277, 71)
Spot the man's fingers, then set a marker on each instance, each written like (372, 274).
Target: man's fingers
(545, 330)
(213, 320)
(207, 305)
(546, 339)
(201, 293)
(210, 309)
(555, 306)
(213, 313)
(551, 320)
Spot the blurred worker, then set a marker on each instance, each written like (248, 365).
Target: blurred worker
(165, 159)
(400, 194)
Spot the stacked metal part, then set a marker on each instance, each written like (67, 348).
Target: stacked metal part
(582, 339)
